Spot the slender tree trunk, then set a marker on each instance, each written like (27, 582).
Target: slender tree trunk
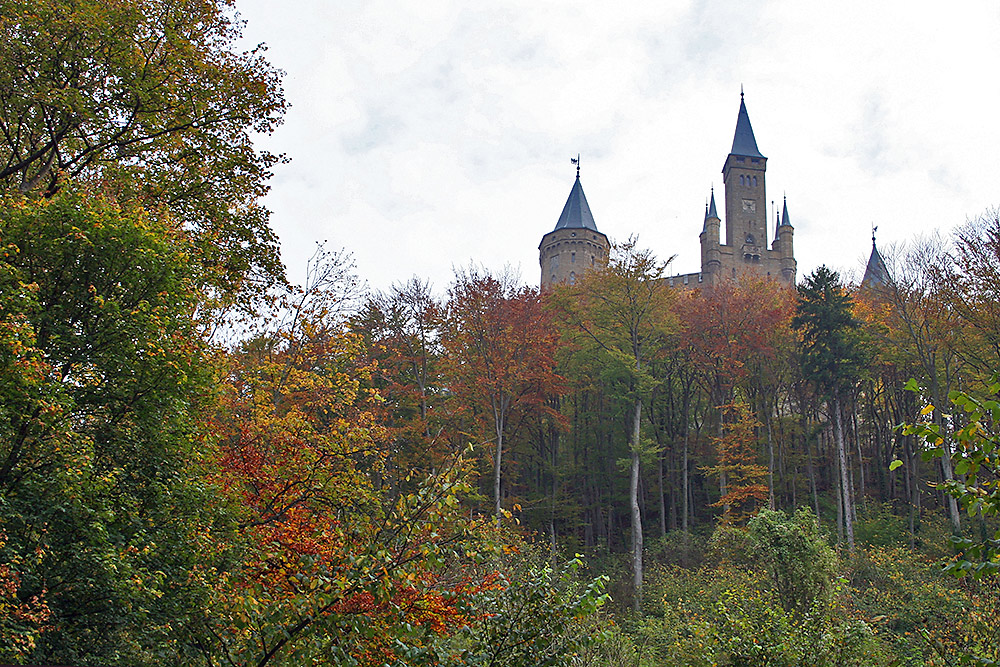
(838, 434)
(663, 501)
(861, 455)
(498, 422)
(686, 481)
(636, 515)
(770, 462)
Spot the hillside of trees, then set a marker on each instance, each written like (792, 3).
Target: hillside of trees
(203, 464)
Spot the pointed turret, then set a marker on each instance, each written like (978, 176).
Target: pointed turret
(710, 258)
(711, 213)
(876, 273)
(575, 246)
(785, 220)
(576, 213)
(744, 142)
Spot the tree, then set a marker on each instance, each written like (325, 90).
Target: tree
(736, 333)
(737, 449)
(343, 554)
(501, 348)
(976, 457)
(832, 358)
(801, 564)
(926, 329)
(146, 99)
(104, 493)
(624, 310)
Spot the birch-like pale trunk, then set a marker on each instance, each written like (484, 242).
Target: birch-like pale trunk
(845, 484)
(636, 515)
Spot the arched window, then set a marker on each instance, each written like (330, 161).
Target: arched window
(755, 181)
(572, 277)
(741, 179)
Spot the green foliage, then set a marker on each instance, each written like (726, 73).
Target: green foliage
(730, 616)
(534, 615)
(145, 98)
(832, 356)
(801, 564)
(100, 465)
(976, 457)
(924, 615)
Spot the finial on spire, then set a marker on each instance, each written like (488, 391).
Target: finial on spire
(874, 229)
(741, 92)
(576, 161)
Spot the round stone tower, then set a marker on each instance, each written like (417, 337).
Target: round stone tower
(574, 246)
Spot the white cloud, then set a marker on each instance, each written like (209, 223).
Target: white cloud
(425, 135)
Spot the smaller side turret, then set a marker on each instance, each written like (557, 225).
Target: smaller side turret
(784, 236)
(711, 260)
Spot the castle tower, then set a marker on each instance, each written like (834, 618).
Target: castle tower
(745, 250)
(574, 246)
(743, 177)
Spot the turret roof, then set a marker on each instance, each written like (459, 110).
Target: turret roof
(785, 220)
(876, 273)
(576, 213)
(744, 142)
(712, 212)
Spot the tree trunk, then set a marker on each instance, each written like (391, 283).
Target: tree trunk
(498, 422)
(838, 434)
(686, 482)
(770, 461)
(636, 515)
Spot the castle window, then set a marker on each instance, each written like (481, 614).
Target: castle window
(572, 278)
(573, 234)
(591, 260)
(572, 257)
(741, 179)
(755, 181)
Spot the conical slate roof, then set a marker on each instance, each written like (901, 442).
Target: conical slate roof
(712, 213)
(785, 220)
(744, 142)
(876, 273)
(576, 213)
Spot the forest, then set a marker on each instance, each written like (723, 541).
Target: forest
(202, 463)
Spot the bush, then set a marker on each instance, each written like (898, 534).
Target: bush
(800, 562)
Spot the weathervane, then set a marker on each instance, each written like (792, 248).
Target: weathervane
(576, 161)
(874, 229)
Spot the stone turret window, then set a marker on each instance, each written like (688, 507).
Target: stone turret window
(572, 277)
(572, 258)
(755, 181)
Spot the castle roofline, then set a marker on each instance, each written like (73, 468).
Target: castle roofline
(576, 213)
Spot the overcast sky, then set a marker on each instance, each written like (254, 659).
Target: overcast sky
(425, 135)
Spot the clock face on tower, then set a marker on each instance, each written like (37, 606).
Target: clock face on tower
(749, 205)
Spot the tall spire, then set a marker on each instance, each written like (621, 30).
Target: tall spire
(711, 212)
(876, 273)
(744, 142)
(576, 213)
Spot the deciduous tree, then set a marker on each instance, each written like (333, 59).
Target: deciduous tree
(624, 311)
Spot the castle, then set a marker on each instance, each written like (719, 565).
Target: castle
(576, 246)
